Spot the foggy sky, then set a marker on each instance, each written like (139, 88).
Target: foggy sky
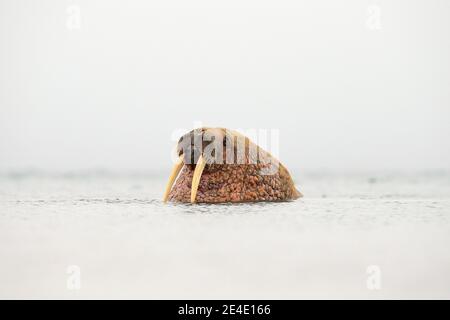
(344, 93)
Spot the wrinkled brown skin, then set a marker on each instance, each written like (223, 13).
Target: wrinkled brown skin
(221, 183)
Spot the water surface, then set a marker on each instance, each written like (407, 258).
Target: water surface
(128, 244)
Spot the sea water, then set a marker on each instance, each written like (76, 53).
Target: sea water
(102, 235)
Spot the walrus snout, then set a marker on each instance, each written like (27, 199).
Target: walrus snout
(221, 165)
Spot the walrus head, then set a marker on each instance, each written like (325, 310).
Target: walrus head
(219, 165)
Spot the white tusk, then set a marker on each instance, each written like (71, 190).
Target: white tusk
(201, 163)
(173, 175)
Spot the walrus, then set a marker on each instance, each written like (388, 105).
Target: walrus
(219, 165)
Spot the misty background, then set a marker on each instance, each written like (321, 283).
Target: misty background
(350, 85)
